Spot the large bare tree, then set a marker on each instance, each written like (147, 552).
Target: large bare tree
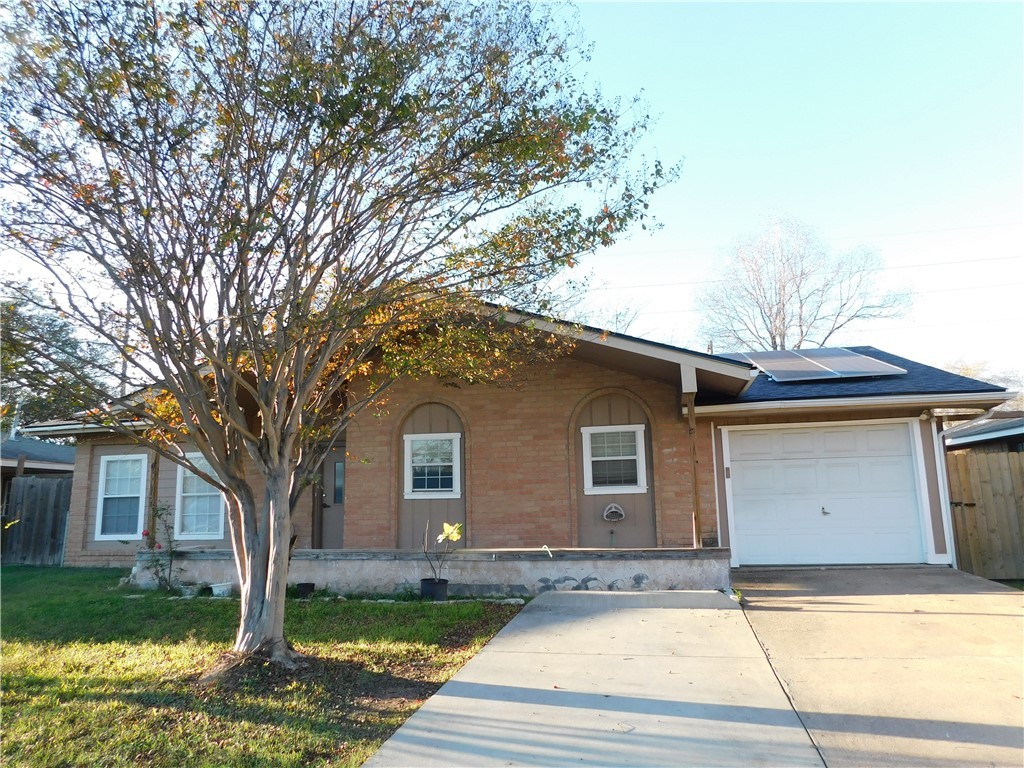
(276, 208)
(784, 289)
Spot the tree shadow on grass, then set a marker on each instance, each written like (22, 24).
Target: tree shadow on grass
(324, 698)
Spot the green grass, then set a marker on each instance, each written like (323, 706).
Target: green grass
(94, 674)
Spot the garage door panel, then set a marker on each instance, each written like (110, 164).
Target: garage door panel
(754, 445)
(756, 477)
(762, 515)
(890, 474)
(843, 504)
(840, 442)
(767, 514)
(890, 512)
(896, 547)
(798, 477)
(795, 444)
(842, 475)
(891, 440)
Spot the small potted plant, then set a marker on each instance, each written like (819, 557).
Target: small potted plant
(436, 588)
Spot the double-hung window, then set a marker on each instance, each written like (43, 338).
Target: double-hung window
(199, 510)
(122, 493)
(614, 460)
(432, 466)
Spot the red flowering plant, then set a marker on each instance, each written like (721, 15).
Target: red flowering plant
(160, 561)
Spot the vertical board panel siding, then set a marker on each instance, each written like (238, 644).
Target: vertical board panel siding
(987, 494)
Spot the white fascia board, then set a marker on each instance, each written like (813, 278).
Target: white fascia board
(38, 465)
(737, 370)
(925, 401)
(981, 437)
(71, 430)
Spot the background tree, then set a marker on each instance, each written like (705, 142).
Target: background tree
(1013, 380)
(276, 209)
(37, 348)
(784, 289)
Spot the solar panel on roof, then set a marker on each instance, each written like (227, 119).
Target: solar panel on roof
(848, 363)
(787, 365)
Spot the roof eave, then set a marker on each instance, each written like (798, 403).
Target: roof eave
(984, 437)
(30, 464)
(732, 377)
(73, 429)
(946, 399)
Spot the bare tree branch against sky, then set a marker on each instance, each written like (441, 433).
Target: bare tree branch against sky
(894, 126)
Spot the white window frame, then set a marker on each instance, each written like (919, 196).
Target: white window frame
(101, 496)
(456, 491)
(179, 507)
(589, 489)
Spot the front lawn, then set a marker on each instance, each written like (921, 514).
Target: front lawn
(101, 675)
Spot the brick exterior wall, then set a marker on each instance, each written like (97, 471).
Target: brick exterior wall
(520, 479)
(520, 482)
(520, 448)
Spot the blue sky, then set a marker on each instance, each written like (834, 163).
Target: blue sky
(895, 126)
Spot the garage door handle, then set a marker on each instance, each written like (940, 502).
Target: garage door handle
(825, 511)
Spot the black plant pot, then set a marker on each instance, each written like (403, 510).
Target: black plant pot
(304, 589)
(434, 589)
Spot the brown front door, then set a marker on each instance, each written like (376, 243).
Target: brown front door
(332, 518)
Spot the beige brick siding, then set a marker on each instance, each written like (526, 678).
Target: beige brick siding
(520, 445)
(520, 478)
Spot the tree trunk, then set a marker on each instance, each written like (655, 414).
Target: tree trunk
(265, 575)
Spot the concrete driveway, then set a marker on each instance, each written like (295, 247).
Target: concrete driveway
(911, 666)
(611, 679)
(838, 667)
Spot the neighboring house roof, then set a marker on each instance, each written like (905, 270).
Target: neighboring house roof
(39, 454)
(921, 383)
(992, 427)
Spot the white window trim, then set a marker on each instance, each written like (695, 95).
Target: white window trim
(178, 508)
(641, 461)
(456, 491)
(140, 521)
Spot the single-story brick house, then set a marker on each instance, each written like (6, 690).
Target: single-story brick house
(625, 464)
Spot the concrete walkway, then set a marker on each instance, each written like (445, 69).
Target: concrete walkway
(611, 679)
(911, 666)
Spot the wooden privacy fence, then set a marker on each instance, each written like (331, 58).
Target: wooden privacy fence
(35, 520)
(986, 491)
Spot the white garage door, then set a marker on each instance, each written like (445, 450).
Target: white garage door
(825, 495)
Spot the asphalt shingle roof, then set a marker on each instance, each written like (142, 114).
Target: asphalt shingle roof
(36, 450)
(980, 430)
(920, 379)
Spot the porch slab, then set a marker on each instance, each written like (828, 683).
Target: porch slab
(476, 572)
